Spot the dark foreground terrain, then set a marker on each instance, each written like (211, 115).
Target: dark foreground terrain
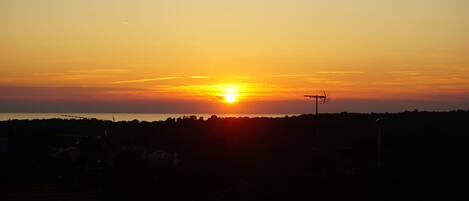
(406, 156)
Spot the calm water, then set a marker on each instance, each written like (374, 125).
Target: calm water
(122, 116)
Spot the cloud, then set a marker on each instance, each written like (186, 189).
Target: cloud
(148, 80)
(407, 73)
(104, 70)
(320, 72)
(161, 79)
(339, 72)
(71, 75)
(325, 81)
(246, 77)
(124, 21)
(388, 83)
(198, 77)
(289, 75)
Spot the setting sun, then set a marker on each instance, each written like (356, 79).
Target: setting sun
(230, 98)
(230, 93)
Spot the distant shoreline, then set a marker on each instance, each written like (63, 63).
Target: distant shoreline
(164, 116)
(123, 116)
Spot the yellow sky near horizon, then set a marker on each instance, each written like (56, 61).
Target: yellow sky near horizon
(269, 49)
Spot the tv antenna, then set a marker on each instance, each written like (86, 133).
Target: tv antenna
(317, 98)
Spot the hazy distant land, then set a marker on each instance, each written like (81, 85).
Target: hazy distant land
(123, 116)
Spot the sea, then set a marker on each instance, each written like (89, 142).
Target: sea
(123, 116)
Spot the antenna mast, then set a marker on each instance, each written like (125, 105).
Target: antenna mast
(317, 98)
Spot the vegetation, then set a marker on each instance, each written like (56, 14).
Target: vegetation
(405, 156)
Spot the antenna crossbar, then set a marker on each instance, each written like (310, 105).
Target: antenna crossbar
(317, 97)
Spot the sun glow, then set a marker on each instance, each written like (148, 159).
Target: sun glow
(230, 94)
(230, 98)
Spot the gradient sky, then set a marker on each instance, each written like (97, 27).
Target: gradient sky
(180, 56)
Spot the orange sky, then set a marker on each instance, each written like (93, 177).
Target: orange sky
(267, 50)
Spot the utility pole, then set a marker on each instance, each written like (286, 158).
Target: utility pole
(316, 105)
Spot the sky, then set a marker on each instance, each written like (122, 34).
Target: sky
(193, 56)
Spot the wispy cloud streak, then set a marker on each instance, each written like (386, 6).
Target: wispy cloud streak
(289, 75)
(198, 77)
(148, 80)
(104, 70)
(339, 72)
